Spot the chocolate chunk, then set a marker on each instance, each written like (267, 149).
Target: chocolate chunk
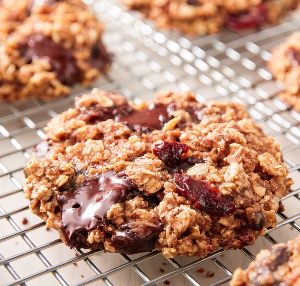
(137, 120)
(294, 57)
(127, 241)
(145, 120)
(87, 206)
(95, 114)
(195, 113)
(194, 2)
(100, 58)
(282, 254)
(60, 59)
(256, 220)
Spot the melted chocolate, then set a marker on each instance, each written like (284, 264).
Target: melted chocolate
(60, 59)
(145, 120)
(92, 115)
(149, 119)
(282, 254)
(127, 241)
(41, 150)
(194, 2)
(87, 206)
(195, 114)
(294, 57)
(100, 58)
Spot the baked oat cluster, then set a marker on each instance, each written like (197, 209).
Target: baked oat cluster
(46, 46)
(175, 175)
(278, 265)
(285, 66)
(209, 16)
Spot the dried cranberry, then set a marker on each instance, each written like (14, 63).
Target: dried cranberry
(253, 18)
(205, 197)
(170, 152)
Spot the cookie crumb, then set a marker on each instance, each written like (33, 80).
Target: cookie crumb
(47, 229)
(201, 270)
(161, 270)
(25, 221)
(164, 263)
(75, 264)
(210, 274)
(82, 276)
(167, 282)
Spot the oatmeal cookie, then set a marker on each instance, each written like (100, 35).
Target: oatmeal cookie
(209, 16)
(175, 175)
(279, 265)
(285, 66)
(47, 46)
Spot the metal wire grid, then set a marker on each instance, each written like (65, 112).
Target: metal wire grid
(221, 66)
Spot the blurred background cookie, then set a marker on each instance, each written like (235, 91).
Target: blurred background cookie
(47, 46)
(210, 16)
(285, 66)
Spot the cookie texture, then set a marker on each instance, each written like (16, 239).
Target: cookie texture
(278, 265)
(209, 16)
(47, 46)
(175, 175)
(285, 66)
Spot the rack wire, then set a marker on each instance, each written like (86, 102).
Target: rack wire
(226, 65)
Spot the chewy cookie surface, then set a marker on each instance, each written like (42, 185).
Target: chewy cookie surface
(209, 16)
(47, 46)
(175, 175)
(279, 265)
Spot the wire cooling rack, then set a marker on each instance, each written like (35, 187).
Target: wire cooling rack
(227, 66)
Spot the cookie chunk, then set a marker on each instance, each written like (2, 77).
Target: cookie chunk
(47, 46)
(285, 66)
(206, 17)
(174, 175)
(278, 265)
